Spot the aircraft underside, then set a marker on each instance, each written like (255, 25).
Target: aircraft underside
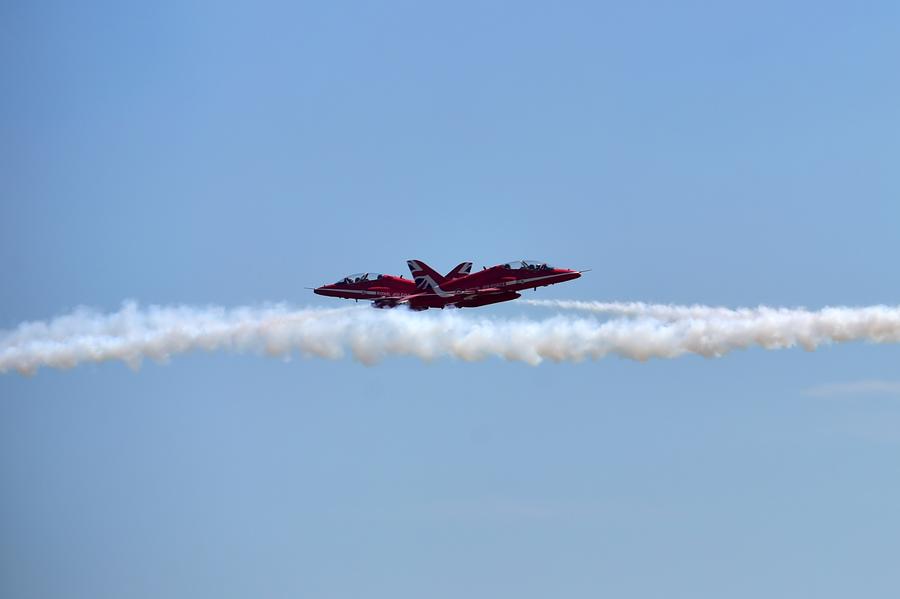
(462, 301)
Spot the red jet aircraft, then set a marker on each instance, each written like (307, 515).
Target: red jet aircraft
(459, 288)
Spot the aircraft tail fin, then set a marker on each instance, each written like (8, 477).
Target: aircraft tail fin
(460, 271)
(424, 276)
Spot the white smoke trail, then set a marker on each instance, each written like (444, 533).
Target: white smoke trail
(669, 312)
(369, 335)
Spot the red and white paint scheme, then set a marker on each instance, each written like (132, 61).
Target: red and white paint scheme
(460, 288)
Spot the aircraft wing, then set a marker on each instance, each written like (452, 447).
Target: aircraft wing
(473, 293)
(405, 299)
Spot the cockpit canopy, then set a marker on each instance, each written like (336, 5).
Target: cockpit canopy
(360, 277)
(527, 264)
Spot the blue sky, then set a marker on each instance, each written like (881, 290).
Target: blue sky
(203, 153)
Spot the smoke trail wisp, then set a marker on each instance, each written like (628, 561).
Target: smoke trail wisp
(133, 333)
(672, 312)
